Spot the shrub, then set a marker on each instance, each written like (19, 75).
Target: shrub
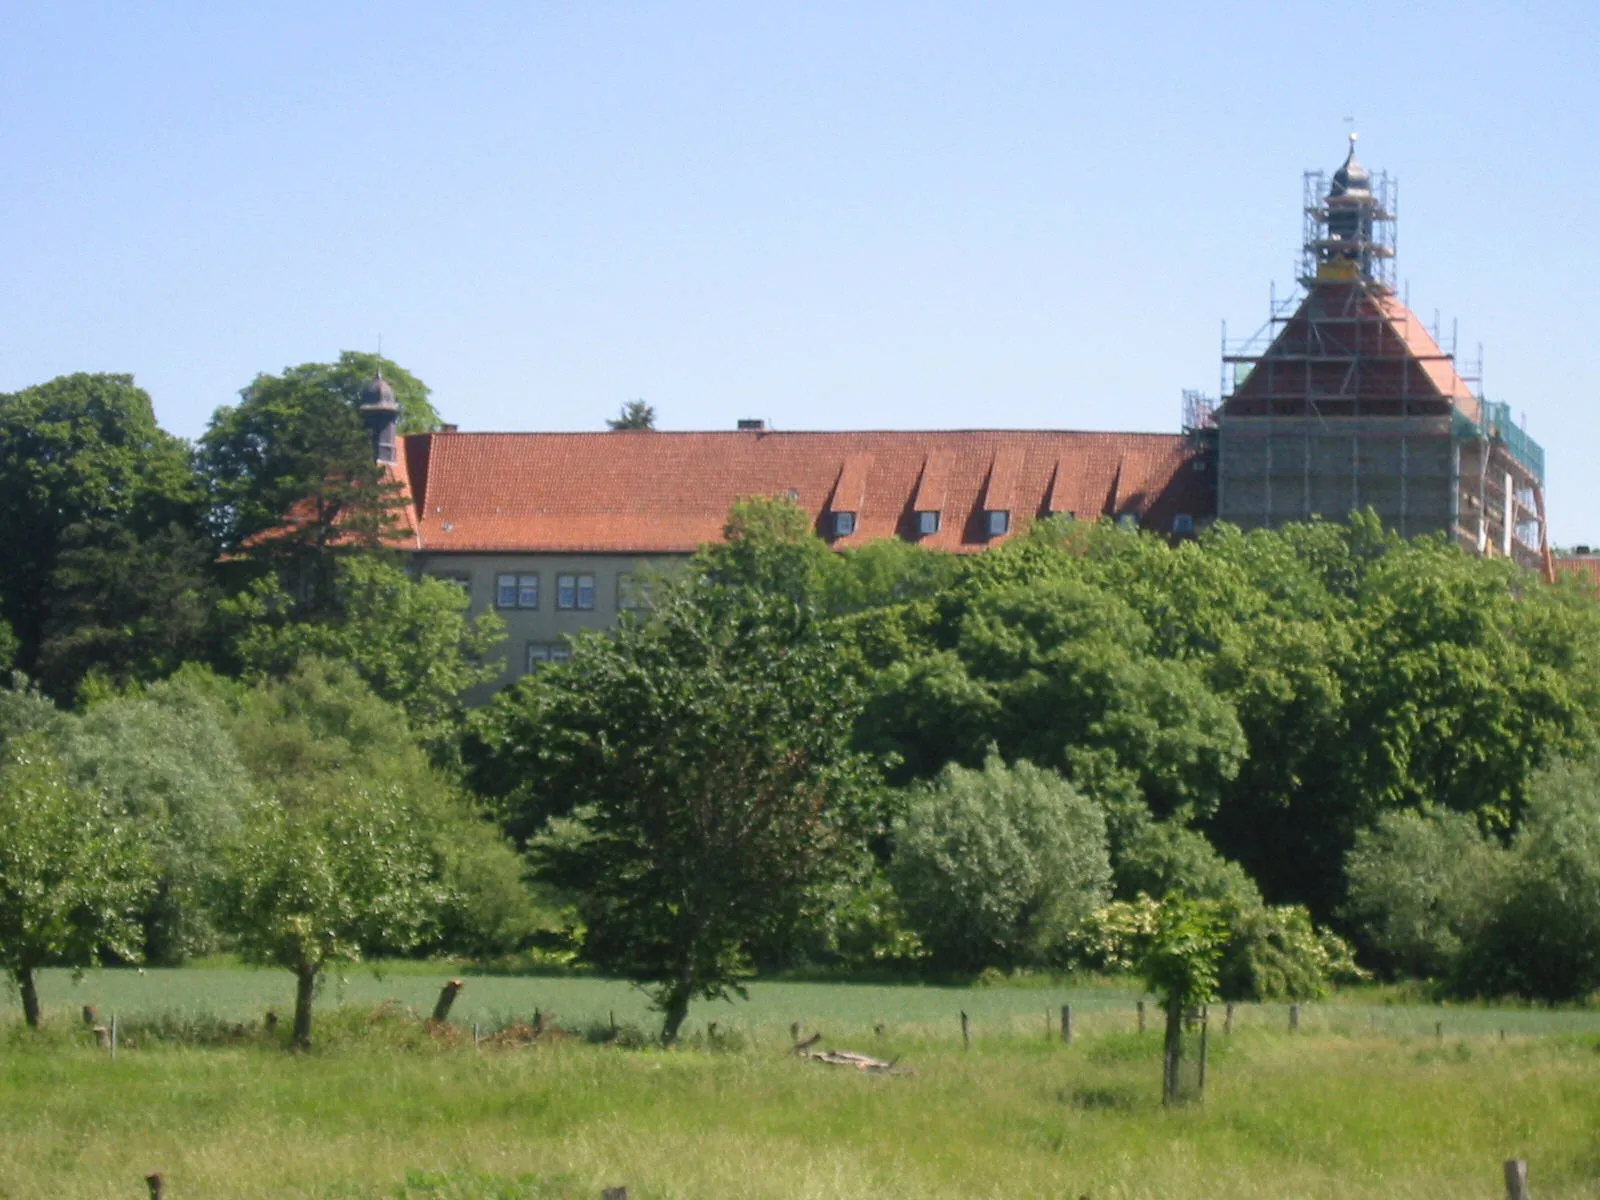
(1541, 938)
(997, 866)
(1419, 882)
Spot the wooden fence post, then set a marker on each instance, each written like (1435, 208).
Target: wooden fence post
(1227, 1019)
(966, 1032)
(1066, 1023)
(113, 1037)
(1141, 1016)
(156, 1184)
(1294, 1018)
(447, 997)
(1438, 1030)
(1205, 1025)
(1517, 1179)
(617, 1193)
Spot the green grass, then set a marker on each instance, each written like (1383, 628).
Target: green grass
(244, 994)
(384, 1109)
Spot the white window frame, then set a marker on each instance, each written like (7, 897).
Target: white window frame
(519, 584)
(997, 521)
(927, 522)
(571, 591)
(844, 523)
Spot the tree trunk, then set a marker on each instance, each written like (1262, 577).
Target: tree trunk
(305, 985)
(676, 1006)
(30, 995)
(1172, 1053)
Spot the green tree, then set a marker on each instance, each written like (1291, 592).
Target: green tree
(635, 414)
(1540, 937)
(8, 647)
(708, 752)
(410, 639)
(165, 764)
(72, 877)
(1419, 885)
(320, 732)
(126, 608)
(327, 879)
(995, 867)
(292, 458)
(76, 450)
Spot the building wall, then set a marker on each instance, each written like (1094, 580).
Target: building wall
(545, 625)
(1275, 470)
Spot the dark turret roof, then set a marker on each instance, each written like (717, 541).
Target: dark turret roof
(1352, 176)
(377, 395)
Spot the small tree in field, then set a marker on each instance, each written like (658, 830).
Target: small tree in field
(709, 750)
(326, 880)
(71, 878)
(1176, 945)
(1178, 960)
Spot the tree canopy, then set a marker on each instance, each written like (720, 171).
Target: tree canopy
(81, 450)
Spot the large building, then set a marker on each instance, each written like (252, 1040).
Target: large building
(1343, 401)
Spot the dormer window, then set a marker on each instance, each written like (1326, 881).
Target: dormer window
(844, 524)
(927, 522)
(999, 521)
(1183, 524)
(1127, 520)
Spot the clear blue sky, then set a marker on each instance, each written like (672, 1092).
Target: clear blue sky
(828, 215)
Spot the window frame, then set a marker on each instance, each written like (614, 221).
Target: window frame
(993, 517)
(575, 591)
(519, 585)
(844, 522)
(928, 521)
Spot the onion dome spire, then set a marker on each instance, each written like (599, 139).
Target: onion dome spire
(380, 413)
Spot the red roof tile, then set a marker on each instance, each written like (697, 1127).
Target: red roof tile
(649, 492)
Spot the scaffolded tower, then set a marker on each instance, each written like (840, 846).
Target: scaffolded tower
(1344, 400)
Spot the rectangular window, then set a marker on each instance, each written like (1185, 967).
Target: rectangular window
(516, 591)
(928, 522)
(844, 524)
(575, 592)
(999, 522)
(540, 653)
(633, 592)
(1183, 523)
(464, 582)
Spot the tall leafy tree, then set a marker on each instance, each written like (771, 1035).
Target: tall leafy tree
(293, 458)
(708, 750)
(126, 608)
(78, 450)
(411, 640)
(72, 876)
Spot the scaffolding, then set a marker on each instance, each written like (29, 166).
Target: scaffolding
(1344, 400)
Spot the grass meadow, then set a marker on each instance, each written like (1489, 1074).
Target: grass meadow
(1365, 1101)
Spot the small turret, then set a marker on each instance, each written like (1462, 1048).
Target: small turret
(1350, 225)
(381, 415)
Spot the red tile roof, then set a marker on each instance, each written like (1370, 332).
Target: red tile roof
(649, 492)
(1336, 323)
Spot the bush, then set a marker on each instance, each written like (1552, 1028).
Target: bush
(1541, 938)
(1419, 884)
(1160, 858)
(997, 866)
